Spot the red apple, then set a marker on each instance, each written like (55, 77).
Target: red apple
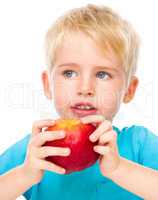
(77, 139)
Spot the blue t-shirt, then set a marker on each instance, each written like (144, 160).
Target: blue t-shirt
(135, 143)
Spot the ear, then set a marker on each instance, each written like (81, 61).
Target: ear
(46, 84)
(131, 89)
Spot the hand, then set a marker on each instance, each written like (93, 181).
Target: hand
(35, 162)
(107, 143)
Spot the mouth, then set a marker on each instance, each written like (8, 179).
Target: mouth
(83, 108)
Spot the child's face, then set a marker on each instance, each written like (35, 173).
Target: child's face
(82, 74)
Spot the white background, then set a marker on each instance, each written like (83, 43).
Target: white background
(23, 25)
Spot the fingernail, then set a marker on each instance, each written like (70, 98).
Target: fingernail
(93, 138)
(62, 133)
(67, 151)
(82, 120)
(62, 171)
(95, 148)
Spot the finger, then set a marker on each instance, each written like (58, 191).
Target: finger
(46, 165)
(105, 126)
(107, 137)
(102, 150)
(41, 138)
(38, 125)
(46, 151)
(92, 119)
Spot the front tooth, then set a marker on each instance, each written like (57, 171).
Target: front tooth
(82, 107)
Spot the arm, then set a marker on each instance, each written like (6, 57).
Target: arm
(131, 176)
(136, 178)
(14, 183)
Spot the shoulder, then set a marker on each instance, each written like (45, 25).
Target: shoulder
(14, 155)
(19, 146)
(144, 144)
(136, 132)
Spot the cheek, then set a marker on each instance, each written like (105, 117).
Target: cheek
(108, 99)
(62, 94)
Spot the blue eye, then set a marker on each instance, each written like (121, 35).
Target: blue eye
(68, 73)
(102, 75)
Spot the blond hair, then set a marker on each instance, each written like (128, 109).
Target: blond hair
(104, 26)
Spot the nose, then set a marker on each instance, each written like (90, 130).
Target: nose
(86, 87)
(86, 93)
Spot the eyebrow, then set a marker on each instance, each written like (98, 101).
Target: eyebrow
(68, 64)
(98, 66)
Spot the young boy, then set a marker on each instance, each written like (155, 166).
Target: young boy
(92, 58)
